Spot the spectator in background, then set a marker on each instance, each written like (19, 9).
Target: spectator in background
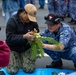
(10, 7)
(72, 11)
(18, 32)
(41, 3)
(62, 8)
(22, 3)
(58, 6)
(53, 6)
(30, 1)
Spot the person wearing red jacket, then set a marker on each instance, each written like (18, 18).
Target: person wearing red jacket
(4, 55)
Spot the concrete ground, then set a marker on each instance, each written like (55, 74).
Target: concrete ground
(40, 19)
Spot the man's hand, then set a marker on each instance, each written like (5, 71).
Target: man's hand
(29, 36)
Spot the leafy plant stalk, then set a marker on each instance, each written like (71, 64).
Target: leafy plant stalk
(36, 45)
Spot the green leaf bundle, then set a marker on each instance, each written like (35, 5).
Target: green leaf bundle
(36, 45)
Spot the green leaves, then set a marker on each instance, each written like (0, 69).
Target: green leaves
(36, 45)
(51, 40)
(36, 49)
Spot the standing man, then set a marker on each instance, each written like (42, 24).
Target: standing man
(42, 4)
(10, 7)
(53, 6)
(30, 1)
(65, 35)
(18, 35)
(72, 11)
(22, 4)
(62, 8)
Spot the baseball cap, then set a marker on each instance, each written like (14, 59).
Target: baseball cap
(31, 11)
(4, 54)
(52, 19)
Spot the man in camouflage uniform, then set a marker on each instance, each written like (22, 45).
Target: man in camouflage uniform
(62, 8)
(65, 35)
(72, 11)
(53, 6)
(58, 6)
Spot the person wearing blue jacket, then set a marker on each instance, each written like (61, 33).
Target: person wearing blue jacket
(65, 35)
(58, 6)
(62, 8)
(22, 4)
(72, 11)
(42, 4)
(30, 1)
(53, 6)
(10, 7)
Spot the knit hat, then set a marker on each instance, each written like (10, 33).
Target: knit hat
(31, 11)
(4, 54)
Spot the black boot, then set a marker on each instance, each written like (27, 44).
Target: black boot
(41, 7)
(57, 64)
